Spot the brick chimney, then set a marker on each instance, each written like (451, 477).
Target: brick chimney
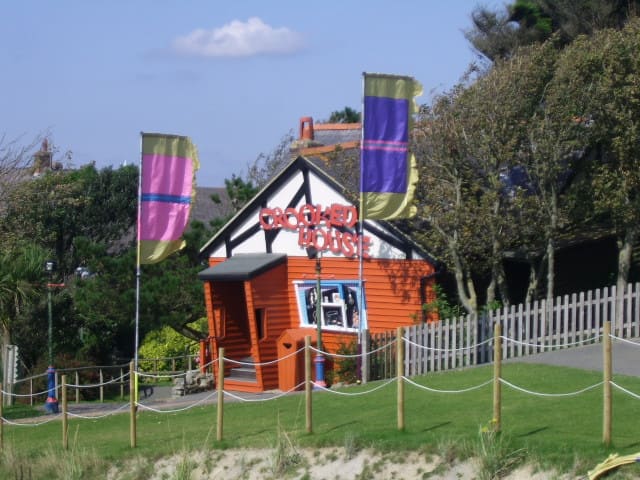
(306, 128)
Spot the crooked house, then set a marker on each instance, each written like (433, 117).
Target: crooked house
(261, 284)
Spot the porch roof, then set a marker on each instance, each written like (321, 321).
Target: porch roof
(242, 266)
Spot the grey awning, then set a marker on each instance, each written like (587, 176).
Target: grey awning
(242, 266)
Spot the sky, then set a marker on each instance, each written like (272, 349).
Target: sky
(234, 75)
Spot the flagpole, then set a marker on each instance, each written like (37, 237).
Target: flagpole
(363, 312)
(138, 273)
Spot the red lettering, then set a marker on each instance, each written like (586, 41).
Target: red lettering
(305, 215)
(264, 217)
(347, 245)
(366, 244)
(288, 213)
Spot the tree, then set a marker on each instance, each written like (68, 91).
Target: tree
(21, 282)
(470, 144)
(14, 162)
(601, 79)
(267, 166)
(498, 34)
(346, 115)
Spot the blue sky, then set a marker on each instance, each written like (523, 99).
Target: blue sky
(235, 76)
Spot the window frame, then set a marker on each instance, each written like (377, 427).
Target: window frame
(338, 305)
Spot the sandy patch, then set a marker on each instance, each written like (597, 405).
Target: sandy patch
(312, 464)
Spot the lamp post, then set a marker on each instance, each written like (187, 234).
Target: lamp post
(51, 404)
(319, 358)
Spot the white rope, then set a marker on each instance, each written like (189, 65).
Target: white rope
(355, 394)
(9, 422)
(557, 345)
(637, 344)
(156, 375)
(282, 394)
(95, 385)
(176, 410)
(24, 395)
(539, 394)
(628, 392)
(436, 349)
(252, 364)
(434, 390)
(353, 355)
(94, 417)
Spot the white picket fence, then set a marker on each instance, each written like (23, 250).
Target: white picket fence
(568, 321)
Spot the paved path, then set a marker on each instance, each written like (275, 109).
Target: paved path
(625, 357)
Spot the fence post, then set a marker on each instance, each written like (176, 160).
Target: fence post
(101, 387)
(2, 420)
(132, 400)
(307, 383)
(77, 387)
(606, 355)
(497, 373)
(31, 392)
(121, 384)
(220, 393)
(400, 375)
(65, 424)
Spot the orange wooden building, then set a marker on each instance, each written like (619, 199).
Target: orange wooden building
(260, 286)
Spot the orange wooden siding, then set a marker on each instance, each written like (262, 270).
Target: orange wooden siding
(392, 287)
(268, 292)
(392, 290)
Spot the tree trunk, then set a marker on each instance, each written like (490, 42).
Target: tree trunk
(551, 259)
(625, 250)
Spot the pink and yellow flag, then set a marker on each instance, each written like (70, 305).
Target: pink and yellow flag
(167, 190)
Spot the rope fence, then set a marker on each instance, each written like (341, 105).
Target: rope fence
(310, 387)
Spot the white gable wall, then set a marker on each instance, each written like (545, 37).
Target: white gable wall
(287, 240)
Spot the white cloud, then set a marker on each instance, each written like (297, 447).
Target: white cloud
(239, 39)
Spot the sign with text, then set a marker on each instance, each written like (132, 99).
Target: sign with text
(322, 228)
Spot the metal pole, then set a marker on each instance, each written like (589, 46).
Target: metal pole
(319, 301)
(50, 322)
(319, 359)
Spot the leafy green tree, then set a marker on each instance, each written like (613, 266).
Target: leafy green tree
(601, 79)
(497, 34)
(21, 283)
(167, 343)
(346, 115)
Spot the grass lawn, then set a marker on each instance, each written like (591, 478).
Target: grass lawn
(555, 431)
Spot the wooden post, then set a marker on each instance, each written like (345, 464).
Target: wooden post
(132, 401)
(220, 393)
(400, 375)
(31, 392)
(101, 387)
(497, 374)
(2, 420)
(65, 424)
(77, 387)
(308, 383)
(121, 384)
(607, 367)
(173, 364)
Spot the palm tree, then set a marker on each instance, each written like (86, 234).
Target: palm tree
(21, 270)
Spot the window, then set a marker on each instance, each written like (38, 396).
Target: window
(341, 304)
(261, 323)
(219, 320)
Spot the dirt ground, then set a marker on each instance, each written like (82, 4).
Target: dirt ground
(319, 464)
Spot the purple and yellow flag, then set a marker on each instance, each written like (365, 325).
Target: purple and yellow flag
(167, 190)
(388, 171)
